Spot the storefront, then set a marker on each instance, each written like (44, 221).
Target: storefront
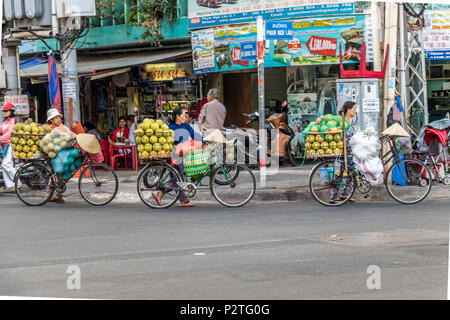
(437, 46)
(301, 66)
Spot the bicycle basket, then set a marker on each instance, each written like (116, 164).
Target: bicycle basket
(196, 163)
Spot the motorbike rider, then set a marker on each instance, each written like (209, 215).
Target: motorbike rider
(6, 157)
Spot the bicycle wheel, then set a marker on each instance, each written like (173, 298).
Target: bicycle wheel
(232, 174)
(234, 193)
(297, 157)
(326, 183)
(34, 184)
(408, 181)
(98, 184)
(156, 179)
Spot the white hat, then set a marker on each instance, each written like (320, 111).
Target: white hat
(51, 113)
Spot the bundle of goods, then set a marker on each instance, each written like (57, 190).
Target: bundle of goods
(25, 139)
(365, 147)
(154, 140)
(56, 141)
(66, 162)
(324, 139)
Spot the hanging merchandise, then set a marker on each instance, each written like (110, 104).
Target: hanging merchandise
(417, 117)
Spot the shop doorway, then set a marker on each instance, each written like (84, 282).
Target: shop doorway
(239, 91)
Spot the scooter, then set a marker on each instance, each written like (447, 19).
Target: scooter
(281, 145)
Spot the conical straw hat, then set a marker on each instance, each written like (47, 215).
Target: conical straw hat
(88, 142)
(216, 136)
(395, 130)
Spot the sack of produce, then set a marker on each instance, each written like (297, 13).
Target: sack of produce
(403, 145)
(365, 144)
(56, 141)
(67, 161)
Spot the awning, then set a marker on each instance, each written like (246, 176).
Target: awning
(87, 65)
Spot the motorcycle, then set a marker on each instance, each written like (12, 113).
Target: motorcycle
(285, 143)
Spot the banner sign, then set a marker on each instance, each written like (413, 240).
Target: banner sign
(20, 102)
(165, 71)
(279, 30)
(313, 41)
(210, 13)
(436, 34)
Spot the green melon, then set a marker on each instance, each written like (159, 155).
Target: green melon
(328, 117)
(332, 123)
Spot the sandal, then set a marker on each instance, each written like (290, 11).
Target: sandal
(349, 200)
(157, 199)
(188, 204)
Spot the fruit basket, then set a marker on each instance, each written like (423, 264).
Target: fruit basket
(25, 140)
(154, 140)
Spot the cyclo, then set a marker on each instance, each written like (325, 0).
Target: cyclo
(232, 185)
(403, 177)
(36, 180)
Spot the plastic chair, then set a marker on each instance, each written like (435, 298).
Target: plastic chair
(104, 145)
(113, 157)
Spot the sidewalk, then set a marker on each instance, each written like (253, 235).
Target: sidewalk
(289, 184)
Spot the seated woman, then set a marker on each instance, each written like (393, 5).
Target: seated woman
(183, 132)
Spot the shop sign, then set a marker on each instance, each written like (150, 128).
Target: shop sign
(20, 102)
(210, 13)
(436, 34)
(166, 71)
(315, 41)
(279, 30)
(322, 46)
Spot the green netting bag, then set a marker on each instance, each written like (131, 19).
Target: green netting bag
(196, 163)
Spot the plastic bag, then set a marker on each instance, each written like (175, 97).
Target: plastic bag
(188, 146)
(372, 169)
(403, 145)
(66, 161)
(365, 144)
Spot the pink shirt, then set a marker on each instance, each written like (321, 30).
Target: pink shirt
(5, 131)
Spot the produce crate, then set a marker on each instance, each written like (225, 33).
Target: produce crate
(323, 156)
(158, 158)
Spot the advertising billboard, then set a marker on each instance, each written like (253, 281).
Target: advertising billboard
(312, 41)
(210, 13)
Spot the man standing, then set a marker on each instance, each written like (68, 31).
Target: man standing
(212, 115)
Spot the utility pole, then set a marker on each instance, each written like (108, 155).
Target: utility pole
(70, 87)
(262, 129)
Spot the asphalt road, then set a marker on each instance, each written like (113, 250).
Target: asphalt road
(290, 250)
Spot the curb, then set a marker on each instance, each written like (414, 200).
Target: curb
(289, 194)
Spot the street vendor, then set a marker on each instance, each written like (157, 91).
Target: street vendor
(6, 158)
(54, 119)
(349, 109)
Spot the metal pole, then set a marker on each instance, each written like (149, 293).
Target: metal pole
(402, 64)
(262, 130)
(10, 64)
(70, 88)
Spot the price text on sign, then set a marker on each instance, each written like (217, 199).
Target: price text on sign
(20, 103)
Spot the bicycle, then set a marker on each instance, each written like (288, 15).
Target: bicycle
(404, 179)
(232, 185)
(36, 181)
